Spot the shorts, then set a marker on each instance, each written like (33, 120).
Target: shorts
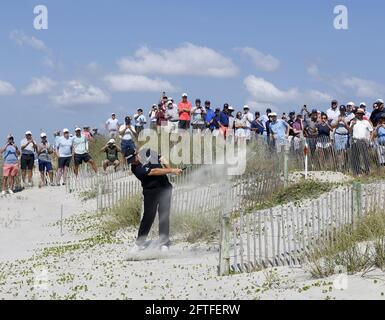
(10, 170)
(80, 158)
(341, 141)
(27, 161)
(184, 124)
(64, 162)
(127, 145)
(45, 166)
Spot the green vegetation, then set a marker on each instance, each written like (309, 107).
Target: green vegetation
(195, 226)
(359, 249)
(304, 189)
(89, 194)
(123, 215)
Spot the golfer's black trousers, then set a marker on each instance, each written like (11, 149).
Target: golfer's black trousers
(156, 200)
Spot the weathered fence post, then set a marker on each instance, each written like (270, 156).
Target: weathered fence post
(286, 164)
(357, 199)
(224, 254)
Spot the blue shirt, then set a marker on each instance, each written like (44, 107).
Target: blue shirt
(381, 135)
(10, 155)
(258, 125)
(224, 119)
(210, 115)
(279, 128)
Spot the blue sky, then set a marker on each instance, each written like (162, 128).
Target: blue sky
(102, 56)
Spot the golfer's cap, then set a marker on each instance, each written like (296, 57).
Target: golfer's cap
(28, 133)
(111, 141)
(66, 130)
(78, 129)
(184, 95)
(246, 107)
(360, 111)
(43, 135)
(130, 155)
(380, 101)
(363, 104)
(351, 103)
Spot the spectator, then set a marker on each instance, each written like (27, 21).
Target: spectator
(10, 154)
(231, 119)
(310, 128)
(140, 121)
(87, 133)
(324, 131)
(209, 116)
(377, 112)
(379, 133)
(341, 132)
(367, 114)
(350, 112)
(224, 120)
(362, 132)
(265, 118)
(172, 116)
(279, 130)
(28, 150)
(248, 118)
(152, 116)
(112, 126)
(198, 113)
(64, 149)
(240, 126)
(184, 108)
(128, 134)
(257, 126)
(112, 151)
(161, 120)
(81, 152)
(216, 122)
(333, 112)
(44, 152)
(295, 124)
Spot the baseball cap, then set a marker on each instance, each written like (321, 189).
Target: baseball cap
(226, 105)
(43, 135)
(184, 95)
(314, 111)
(362, 104)
(111, 141)
(66, 130)
(231, 108)
(78, 129)
(246, 108)
(130, 155)
(207, 103)
(10, 136)
(273, 114)
(113, 114)
(351, 103)
(342, 108)
(380, 101)
(334, 101)
(28, 133)
(169, 102)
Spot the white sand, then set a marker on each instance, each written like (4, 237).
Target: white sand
(103, 271)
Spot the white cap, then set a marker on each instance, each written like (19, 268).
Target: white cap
(273, 114)
(169, 102)
(246, 107)
(184, 95)
(113, 114)
(43, 135)
(66, 130)
(363, 104)
(380, 101)
(78, 129)
(231, 108)
(28, 132)
(111, 141)
(351, 103)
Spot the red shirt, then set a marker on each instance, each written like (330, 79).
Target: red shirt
(184, 116)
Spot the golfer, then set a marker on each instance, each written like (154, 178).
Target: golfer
(157, 191)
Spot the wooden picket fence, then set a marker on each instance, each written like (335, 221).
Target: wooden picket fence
(286, 235)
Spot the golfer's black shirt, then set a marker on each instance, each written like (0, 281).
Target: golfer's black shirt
(150, 182)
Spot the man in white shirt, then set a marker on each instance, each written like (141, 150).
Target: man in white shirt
(64, 149)
(140, 121)
(333, 113)
(27, 160)
(81, 152)
(248, 118)
(112, 126)
(172, 116)
(152, 116)
(362, 132)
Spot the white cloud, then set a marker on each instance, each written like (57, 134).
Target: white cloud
(6, 88)
(263, 62)
(93, 67)
(77, 93)
(265, 93)
(39, 86)
(188, 59)
(23, 40)
(313, 71)
(136, 83)
(364, 88)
